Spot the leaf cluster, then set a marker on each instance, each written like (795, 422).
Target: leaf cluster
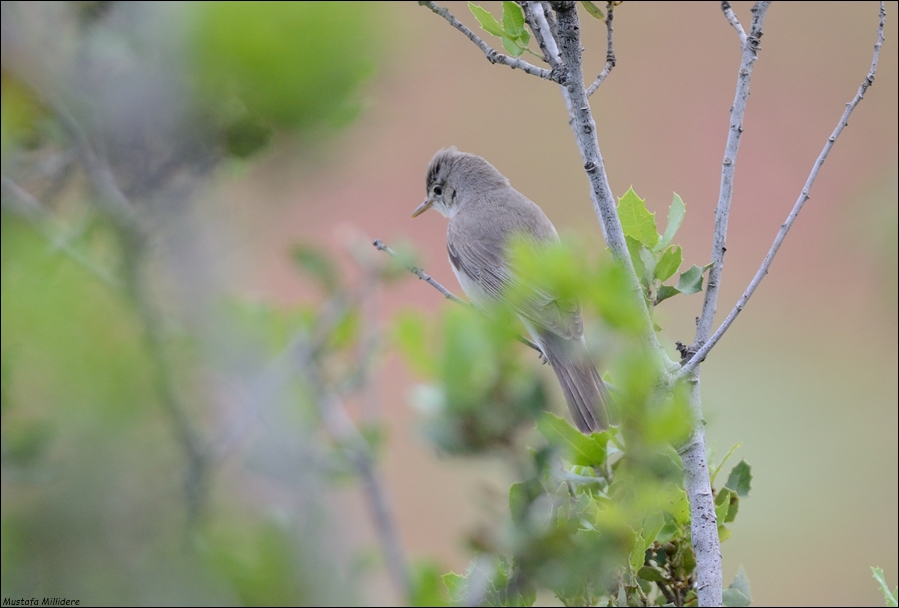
(654, 256)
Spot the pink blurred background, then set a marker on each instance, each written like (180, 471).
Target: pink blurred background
(806, 378)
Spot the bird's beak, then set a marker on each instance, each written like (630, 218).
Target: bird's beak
(422, 208)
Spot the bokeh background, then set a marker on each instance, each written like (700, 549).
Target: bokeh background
(93, 499)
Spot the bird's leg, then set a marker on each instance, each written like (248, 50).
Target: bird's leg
(536, 347)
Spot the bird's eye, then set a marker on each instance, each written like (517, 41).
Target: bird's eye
(438, 190)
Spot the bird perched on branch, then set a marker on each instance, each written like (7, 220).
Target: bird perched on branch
(485, 213)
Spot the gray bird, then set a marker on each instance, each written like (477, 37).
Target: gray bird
(484, 213)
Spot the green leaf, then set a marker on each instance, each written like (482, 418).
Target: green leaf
(488, 22)
(734, 597)
(636, 220)
(455, 586)
(690, 282)
(665, 292)
(723, 460)
(668, 263)
(427, 588)
(892, 599)
(317, 264)
(652, 525)
(676, 213)
(513, 19)
(654, 575)
(579, 449)
(741, 583)
(512, 47)
(649, 260)
(635, 248)
(740, 479)
(521, 495)
(722, 504)
(593, 10)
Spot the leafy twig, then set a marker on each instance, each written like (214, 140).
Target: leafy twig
(610, 52)
(492, 55)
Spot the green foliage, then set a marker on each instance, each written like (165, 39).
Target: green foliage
(891, 597)
(738, 593)
(511, 31)
(595, 519)
(262, 66)
(593, 10)
(655, 259)
(483, 392)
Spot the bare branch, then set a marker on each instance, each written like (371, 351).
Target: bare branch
(610, 52)
(421, 274)
(340, 426)
(538, 23)
(492, 55)
(732, 19)
(750, 46)
(797, 207)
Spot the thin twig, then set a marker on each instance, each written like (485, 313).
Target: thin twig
(420, 273)
(492, 55)
(610, 52)
(732, 19)
(797, 207)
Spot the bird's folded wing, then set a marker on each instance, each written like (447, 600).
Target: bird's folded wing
(484, 263)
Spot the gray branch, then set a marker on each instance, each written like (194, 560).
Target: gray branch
(492, 55)
(421, 274)
(750, 47)
(341, 428)
(701, 353)
(703, 521)
(610, 52)
(584, 128)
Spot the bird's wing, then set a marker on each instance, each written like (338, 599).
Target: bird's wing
(485, 271)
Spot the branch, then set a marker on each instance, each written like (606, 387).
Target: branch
(135, 237)
(584, 128)
(340, 426)
(732, 19)
(539, 24)
(610, 52)
(19, 201)
(750, 46)
(380, 246)
(492, 55)
(697, 358)
(421, 274)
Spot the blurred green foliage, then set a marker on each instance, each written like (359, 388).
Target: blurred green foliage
(597, 519)
(117, 410)
(264, 66)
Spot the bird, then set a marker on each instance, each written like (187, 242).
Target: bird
(485, 213)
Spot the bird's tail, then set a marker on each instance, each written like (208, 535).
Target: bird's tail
(585, 392)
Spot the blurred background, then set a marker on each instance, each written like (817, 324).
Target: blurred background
(161, 163)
